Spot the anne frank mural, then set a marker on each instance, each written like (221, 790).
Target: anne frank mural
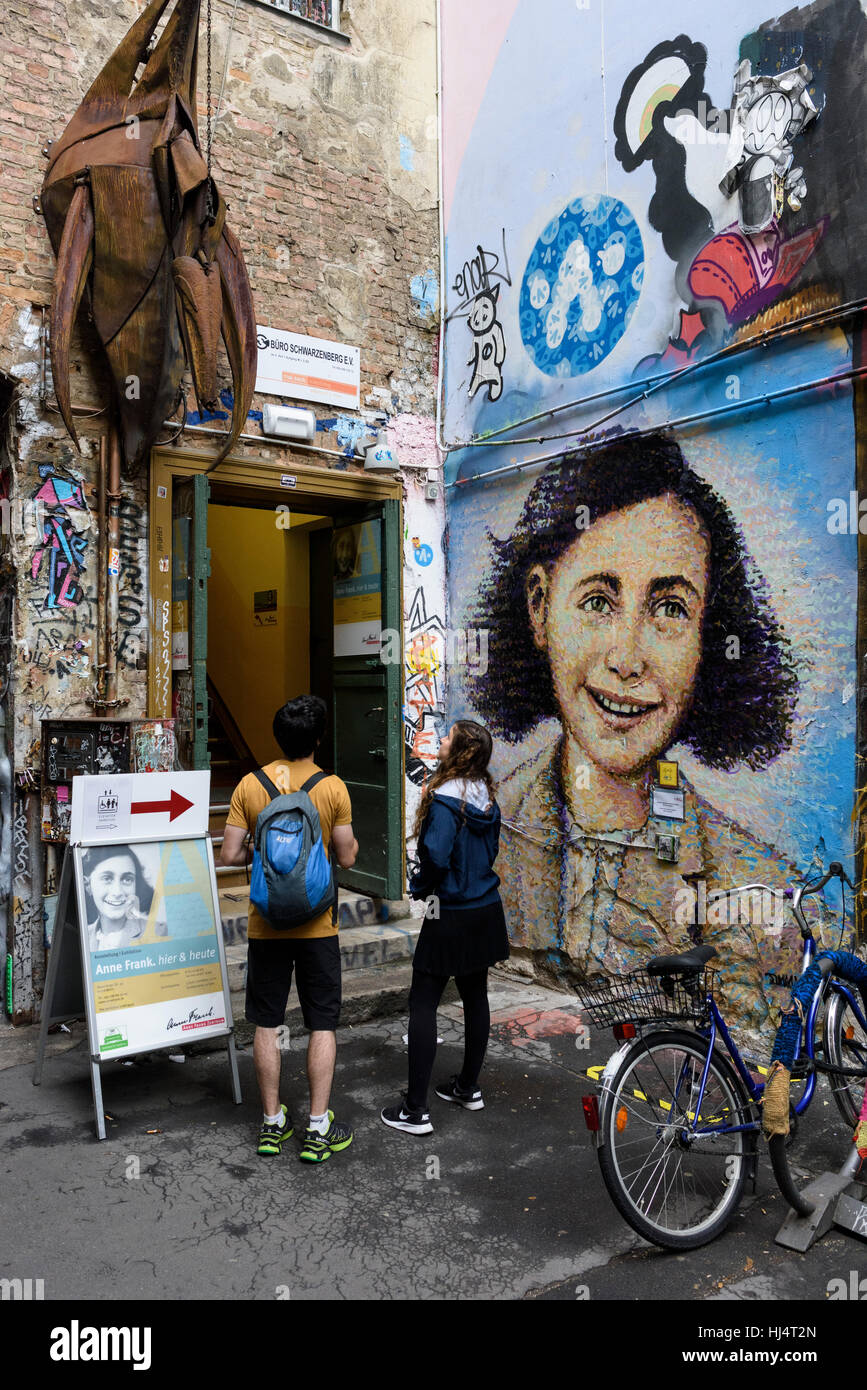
(626, 605)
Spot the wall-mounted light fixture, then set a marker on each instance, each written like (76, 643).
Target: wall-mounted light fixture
(288, 422)
(380, 455)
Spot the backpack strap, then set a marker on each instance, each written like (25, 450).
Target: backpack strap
(308, 786)
(262, 776)
(313, 781)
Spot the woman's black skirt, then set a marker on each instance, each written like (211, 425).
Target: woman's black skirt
(463, 941)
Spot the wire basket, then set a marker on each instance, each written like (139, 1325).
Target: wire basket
(642, 998)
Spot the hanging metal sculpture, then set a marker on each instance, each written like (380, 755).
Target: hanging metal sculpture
(137, 224)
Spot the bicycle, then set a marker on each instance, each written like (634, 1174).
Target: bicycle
(830, 972)
(675, 1121)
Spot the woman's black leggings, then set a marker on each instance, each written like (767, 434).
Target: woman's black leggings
(424, 997)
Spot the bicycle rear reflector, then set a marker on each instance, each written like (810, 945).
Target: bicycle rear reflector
(624, 1031)
(591, 1112)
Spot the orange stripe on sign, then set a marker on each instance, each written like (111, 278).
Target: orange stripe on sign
(318, 383)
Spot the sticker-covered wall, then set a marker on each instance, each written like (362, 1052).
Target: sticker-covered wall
(652, 393)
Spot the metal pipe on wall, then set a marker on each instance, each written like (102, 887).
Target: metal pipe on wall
(101, 621)
(112, 577)
(680, 422)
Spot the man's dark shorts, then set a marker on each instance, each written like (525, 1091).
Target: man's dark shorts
(317, 977)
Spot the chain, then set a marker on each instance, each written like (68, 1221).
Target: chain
(210, 198)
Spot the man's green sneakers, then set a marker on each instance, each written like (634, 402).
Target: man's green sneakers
(273, 1137)
(319, 1147)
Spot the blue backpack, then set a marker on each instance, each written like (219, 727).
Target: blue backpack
(291, 879)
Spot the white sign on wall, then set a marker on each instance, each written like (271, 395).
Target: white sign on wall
(308, 369)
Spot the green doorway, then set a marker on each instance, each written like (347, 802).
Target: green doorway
(276, 607)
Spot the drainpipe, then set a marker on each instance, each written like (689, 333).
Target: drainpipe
(97, 698)
(111, 579)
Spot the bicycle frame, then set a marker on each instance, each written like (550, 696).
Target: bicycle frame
(716, 1030)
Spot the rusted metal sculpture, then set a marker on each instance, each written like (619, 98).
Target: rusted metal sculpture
(138, 226)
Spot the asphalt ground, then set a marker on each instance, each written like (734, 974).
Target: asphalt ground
(502, 1204)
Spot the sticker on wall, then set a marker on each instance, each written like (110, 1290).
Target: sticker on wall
(667, 773)
(422, 552)
(581, 286)
(162, 492)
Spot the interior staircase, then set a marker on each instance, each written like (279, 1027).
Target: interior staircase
(231, 759)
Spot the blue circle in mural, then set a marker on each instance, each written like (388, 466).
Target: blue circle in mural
(581, 286)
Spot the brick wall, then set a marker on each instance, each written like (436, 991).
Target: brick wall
(325, 150)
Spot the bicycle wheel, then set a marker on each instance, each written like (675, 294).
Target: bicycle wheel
(845, 1046)
(676, 1190)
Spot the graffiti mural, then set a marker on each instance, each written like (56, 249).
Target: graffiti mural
(59, 558)
(700, 183)
(660, 564)
(581, 285)
(424, 710)
(488, 346)
(723, 179)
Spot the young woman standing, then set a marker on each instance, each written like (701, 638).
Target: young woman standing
(457, 828)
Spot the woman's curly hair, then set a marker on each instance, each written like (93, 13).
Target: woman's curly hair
(742, 707)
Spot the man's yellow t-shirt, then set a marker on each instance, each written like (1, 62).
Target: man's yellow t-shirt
(331, 799)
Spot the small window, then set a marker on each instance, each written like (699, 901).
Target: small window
(325, 12)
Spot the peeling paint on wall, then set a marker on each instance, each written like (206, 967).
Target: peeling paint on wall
(425, 291)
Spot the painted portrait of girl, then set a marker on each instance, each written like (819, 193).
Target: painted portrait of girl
(626, 605)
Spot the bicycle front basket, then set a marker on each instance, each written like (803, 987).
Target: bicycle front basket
(642, 998)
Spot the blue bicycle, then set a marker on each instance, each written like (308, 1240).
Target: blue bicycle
(677, 1113)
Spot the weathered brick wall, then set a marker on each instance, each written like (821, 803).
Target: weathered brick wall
(326, 153)
(325, 150)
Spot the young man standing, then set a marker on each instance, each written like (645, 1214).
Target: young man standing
(312, 948)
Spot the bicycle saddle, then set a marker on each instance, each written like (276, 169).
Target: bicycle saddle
(688, 963)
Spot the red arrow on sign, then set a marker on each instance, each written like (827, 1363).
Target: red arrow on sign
(176, 805)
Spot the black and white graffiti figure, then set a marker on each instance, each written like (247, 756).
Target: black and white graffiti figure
(767, 114)
(489, 345)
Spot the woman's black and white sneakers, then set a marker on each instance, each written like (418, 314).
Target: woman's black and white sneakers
(451, 1090)
(412, 1121)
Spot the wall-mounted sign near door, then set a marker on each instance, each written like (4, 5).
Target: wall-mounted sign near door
(137, 945)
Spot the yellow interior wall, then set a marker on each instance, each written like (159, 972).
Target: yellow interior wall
(256, 669)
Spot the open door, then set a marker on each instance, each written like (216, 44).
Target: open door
(191, 568)
(366, 569)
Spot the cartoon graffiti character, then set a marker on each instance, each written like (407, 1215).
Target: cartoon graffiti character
(722, 179)
(489, 345)
(767, 115)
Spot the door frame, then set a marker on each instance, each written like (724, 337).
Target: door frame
(255, 477)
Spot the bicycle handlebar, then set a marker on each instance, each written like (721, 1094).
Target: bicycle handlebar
(804, 890)
(795, 895)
